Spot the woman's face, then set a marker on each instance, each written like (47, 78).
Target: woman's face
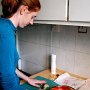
(27, 18)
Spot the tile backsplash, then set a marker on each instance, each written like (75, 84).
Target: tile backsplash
(72, 49)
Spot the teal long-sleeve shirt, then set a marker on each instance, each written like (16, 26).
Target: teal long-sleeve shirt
(8, 56)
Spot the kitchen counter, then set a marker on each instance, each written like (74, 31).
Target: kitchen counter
(47, 74)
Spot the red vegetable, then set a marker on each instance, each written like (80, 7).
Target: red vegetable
(62, 88)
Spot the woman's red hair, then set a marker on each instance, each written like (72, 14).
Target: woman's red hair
(9, 7)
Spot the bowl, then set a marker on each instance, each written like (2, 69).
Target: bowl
(63, 87)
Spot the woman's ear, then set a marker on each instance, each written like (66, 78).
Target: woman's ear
(23, 9)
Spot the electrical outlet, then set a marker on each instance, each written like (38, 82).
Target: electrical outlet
(82, 29)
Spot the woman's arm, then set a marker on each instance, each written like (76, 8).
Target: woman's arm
(21, 75)
(33, 82)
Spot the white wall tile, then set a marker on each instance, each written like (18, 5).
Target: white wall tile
(83, 42)
(38, 54)
(55, 39)
(31, 67)
(68, 38)
(72, 48)
(65, 59)
(82, 64)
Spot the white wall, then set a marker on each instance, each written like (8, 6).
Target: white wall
(72, 49)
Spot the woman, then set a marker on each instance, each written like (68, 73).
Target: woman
(16, 13)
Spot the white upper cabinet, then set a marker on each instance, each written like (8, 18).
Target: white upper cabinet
(64, 12)
(53, 10)
(79, 10)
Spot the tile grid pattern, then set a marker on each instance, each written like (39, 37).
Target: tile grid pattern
(37, 42)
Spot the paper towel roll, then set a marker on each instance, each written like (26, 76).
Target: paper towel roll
(53, 64)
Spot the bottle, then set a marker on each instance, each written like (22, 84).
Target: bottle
(53, 64)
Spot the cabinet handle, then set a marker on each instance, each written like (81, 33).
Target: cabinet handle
(67, 10)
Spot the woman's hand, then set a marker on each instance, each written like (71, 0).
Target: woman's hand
(35, 82)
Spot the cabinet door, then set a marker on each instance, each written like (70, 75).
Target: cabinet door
(53, 10)
(79, 10)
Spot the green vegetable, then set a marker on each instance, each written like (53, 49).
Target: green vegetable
(42, 86)
(48, 88)
(45, 87)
